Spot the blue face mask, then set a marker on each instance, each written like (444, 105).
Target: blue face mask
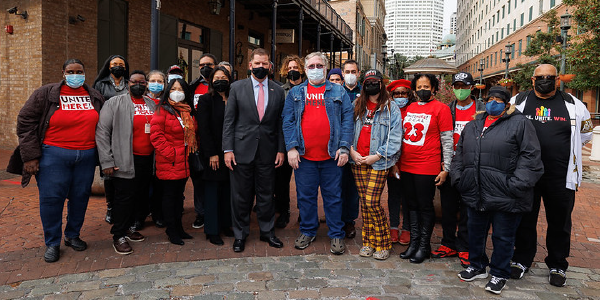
(494, 108)
(155, 87)
(174, 76)
(75, 80)
(401, 102)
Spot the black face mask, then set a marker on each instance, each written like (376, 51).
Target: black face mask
(137, 90)
(221, 85)
(294, 75)
(118, 71)
(260, 72)
(372, 88)
(205, 71)
(545, 86)
(424, 95)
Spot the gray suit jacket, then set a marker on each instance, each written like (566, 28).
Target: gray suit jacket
(244, 133)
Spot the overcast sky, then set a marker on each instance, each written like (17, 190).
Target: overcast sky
(449, 8)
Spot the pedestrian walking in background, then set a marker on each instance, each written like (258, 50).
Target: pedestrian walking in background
(495, 168)
(217, 194)
(317, 124)
(111, 81)
(375, 149)
(425, 162)
(563, 126)
(400, 92)
(56, 129)
(173, 135)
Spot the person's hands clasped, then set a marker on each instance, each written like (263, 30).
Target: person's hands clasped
(32, 166)
(356, 157)
(294, 158)
(214, 162)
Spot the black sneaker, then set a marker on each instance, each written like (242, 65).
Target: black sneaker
(495, 285)
(471, 274)
(517, 270)
(557, 277)
(199, 222)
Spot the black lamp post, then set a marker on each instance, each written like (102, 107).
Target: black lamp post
(392, 61)
(481, 68)
(507, 52)
(384, 53)
(565, 25)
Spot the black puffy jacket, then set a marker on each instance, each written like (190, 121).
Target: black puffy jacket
(497, 170)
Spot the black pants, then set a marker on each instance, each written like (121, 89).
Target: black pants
(130, 196)
(454, 214)
(217, 206)
(198, 183)
(419, 191)
(172, 203)
(558, 203)
(395, 200)
(156, 200)
(248, 181)
(283, 175)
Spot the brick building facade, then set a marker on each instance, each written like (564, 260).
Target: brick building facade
(90, 30)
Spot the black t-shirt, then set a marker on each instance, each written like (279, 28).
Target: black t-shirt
(550, 118)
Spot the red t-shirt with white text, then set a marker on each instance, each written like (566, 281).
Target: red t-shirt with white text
(73, 125)
(462, 117)
(200, 90)
(315, 124)
(363, 145)
(142, 116)
(421, 145)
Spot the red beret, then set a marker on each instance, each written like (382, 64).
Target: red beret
(398, 83)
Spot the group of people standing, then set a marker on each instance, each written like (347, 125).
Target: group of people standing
(240, 141)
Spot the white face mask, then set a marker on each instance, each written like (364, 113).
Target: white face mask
(350, 79)
(177, 96)
(174, 76)
(315, 75)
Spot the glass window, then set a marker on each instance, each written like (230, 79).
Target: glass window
(191, 33)
(520, 46)
(530, 13)
(522, 19)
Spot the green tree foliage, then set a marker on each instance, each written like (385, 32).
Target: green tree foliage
(583, 53)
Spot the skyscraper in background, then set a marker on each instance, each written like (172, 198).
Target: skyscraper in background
(414, 27)
(453, 23)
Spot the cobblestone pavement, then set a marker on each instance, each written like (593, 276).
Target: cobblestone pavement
(158, 269)
(297, 277)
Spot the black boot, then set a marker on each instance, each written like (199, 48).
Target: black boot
(424, 251)
(414, 236)
(174, 236)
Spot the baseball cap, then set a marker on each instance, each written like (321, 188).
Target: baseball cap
(373, 74)
(175, 69)
(463, 77)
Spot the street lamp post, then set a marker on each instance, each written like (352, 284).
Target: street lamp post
(507, 52)
(384, 53)
(481, 67)
(392, 60)
(565, 25)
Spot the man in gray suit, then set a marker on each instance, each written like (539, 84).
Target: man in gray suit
(254, 146)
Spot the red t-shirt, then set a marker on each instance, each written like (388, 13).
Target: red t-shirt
(421, 145)
(462, 118)
(200, 90)
(488, 122)
(315, 125)
(73, 125)
(141, 128)
(363, 145)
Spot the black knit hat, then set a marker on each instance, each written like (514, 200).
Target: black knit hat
(500, 92)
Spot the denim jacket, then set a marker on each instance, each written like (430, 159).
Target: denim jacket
(386, 136)
(339, 112)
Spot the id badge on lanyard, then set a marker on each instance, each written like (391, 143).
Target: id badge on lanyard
(182, 126)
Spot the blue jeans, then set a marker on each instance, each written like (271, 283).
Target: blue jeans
(311, 175)
(504, 228)
(64, 174)
(350, 205)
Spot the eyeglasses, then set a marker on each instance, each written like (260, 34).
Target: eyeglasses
(319, 66)
(541, 77)
(206, 65)
(399, 94)
(142, 82)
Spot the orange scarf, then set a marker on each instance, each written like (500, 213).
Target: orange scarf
(189, 128)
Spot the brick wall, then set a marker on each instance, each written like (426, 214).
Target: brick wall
(20, 63)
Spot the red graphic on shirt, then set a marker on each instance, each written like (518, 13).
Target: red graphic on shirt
(141, 128)
(363, 145)
(415, 128)
(200, 90)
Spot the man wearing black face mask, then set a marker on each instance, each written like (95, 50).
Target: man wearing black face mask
(128, 162)
(563, 126)
(254, 146)
(200, 87)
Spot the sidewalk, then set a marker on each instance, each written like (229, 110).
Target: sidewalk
(200, 268)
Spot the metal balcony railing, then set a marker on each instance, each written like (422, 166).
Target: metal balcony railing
(331, 15)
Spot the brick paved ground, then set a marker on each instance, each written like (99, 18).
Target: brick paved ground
(22, 247)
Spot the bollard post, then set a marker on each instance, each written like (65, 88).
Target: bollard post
(595, 156)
